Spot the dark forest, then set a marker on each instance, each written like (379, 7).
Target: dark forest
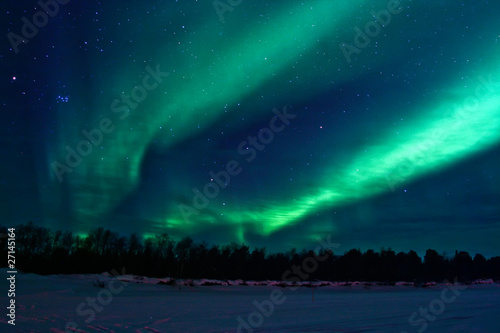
(43, 251)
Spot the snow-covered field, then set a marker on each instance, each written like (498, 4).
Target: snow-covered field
(49, 303)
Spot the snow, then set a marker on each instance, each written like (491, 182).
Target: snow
(138, 304)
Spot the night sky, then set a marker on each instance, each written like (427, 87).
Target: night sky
(264, 122)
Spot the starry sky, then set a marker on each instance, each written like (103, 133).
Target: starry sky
(269, 123)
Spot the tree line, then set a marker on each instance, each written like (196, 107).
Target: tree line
(42, 251)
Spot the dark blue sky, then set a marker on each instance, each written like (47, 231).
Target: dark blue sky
(391, 138)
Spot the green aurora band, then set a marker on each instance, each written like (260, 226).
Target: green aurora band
(453, 134)
(199, 92)
(201, 85)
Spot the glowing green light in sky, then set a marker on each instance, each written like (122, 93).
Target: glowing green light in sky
(204, 80)
(442, 136)
(195, 94)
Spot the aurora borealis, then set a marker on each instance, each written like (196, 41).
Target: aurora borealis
(396, 146)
